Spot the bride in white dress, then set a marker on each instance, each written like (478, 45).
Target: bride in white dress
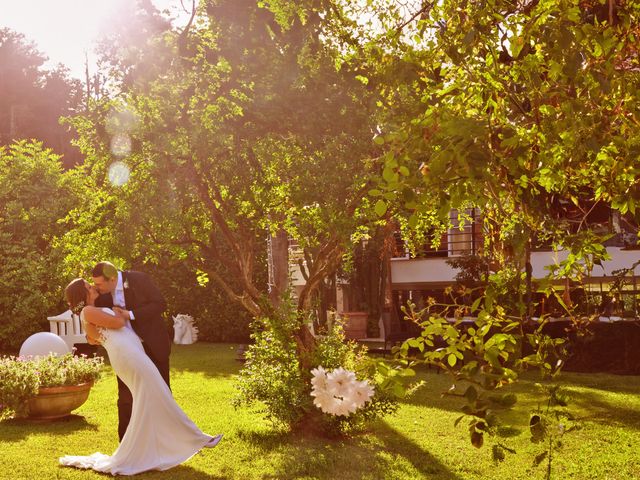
(159, 435)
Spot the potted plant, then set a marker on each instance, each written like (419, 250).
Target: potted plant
(355, 324)
(46, 387)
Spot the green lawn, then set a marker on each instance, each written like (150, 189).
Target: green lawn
(418, 442)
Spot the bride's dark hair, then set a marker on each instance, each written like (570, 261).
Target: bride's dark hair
(76, 295)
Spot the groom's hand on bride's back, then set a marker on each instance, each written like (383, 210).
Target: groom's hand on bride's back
(122, 313)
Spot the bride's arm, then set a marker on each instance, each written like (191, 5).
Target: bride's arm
(95, 316)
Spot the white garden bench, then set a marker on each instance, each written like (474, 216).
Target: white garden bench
(68, 327)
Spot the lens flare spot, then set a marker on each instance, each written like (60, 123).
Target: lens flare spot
(121, 145)
(119, 174)
(121, 121)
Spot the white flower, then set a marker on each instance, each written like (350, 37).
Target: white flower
(349, 405)
(343, 408)
(339, 392)
(361, 393)
(319, 379)
(340, 382)
(324, 401)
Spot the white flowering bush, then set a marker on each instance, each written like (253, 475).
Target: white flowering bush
(338, 392)
(341, 396)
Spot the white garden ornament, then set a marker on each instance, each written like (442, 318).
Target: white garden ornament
(42, 344)
(185, 332)
(339, 392)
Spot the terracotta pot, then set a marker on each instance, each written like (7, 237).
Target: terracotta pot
(56, 402)
(356, 324)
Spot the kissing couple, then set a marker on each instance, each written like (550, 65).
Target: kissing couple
(122, 311)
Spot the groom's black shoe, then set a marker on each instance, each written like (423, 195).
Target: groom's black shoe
(214, 441)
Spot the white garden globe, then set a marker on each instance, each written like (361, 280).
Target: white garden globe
(42, 344)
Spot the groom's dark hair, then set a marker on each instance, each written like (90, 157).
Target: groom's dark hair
(105, 269)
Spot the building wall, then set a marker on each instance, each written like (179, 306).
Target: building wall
(437, 271)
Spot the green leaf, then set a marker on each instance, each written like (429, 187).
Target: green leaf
(380, 208)
(469, 37)
(389, 175)
(452, 359)
(476, 304)
(399, 390)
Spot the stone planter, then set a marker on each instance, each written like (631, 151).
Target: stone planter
(56, 402)
(355, 326)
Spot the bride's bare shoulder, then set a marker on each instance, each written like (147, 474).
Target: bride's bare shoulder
(87, 311)
(91, 312)
(103, 317)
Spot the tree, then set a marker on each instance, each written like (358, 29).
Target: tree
(526, 110)
(248, 130)
(518, 109)
(32, 99)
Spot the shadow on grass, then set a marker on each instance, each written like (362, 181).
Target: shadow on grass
(371, 455)
(181, 471)
(16, 429)
(508, 431)
(602, 411)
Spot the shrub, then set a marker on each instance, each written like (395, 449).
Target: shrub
(22, 377)
(30, 280)
(273, 377)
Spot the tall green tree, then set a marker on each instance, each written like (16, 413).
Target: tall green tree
(33, 99)
(248, 130)
(247, 134)
(527, 110)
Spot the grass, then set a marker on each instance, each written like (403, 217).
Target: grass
(419, 441)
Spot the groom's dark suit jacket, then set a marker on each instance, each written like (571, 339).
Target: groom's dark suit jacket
(147, 303)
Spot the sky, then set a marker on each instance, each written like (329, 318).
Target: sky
(64, 30)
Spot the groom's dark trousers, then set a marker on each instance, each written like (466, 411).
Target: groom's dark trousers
(147, 303)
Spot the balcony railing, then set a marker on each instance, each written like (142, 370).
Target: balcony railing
(463, 238)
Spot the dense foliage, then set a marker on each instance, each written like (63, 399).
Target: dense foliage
(247, 130)
(34, 196)
(525, 110)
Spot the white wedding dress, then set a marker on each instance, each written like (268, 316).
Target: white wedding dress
(159, 435)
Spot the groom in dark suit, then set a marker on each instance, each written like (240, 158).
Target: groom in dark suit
(135, 298)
